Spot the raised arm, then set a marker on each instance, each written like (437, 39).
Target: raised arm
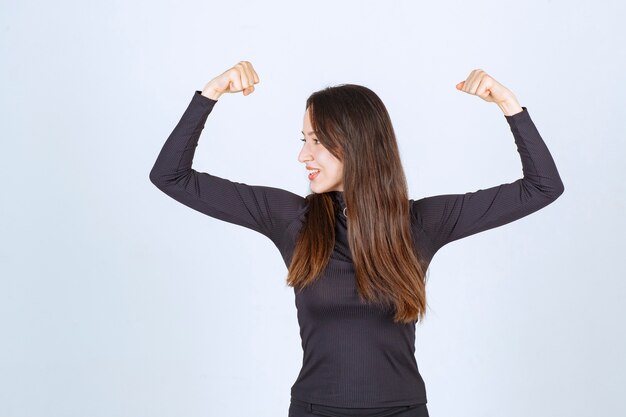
(267, 210)
(446, 218)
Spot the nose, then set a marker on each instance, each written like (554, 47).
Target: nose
(305, 154)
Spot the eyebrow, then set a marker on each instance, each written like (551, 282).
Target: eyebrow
(310, 133)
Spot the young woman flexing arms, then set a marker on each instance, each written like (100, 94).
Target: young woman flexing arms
(357, 248)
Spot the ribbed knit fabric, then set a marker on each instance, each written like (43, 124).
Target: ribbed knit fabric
(353, 353)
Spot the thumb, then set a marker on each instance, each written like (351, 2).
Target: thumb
(460, 85)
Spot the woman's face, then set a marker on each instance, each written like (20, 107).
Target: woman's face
(315, 156)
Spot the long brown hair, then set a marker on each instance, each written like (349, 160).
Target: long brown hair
(353, 124)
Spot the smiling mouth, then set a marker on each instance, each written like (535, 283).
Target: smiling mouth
(313, 174)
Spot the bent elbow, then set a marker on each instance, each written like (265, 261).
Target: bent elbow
(560, 190)
(155, 178)
(557, 190)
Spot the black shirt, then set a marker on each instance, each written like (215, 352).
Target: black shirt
(353, 353)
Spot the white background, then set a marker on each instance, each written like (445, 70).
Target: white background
(116, 300)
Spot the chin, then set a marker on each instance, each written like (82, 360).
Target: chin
(318, 189)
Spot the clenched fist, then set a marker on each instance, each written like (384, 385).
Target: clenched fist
(240, 77)
(483, 85)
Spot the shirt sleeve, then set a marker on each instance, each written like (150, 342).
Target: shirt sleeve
(446, 218)
(266, 210)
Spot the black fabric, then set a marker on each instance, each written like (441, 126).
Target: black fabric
(303, 409)
(353, 353)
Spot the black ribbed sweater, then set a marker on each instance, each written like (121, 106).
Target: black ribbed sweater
(353, 353)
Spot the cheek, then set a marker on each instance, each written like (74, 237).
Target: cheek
(330, 164)
(338, 167)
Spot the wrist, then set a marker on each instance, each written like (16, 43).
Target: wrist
(510, 106)
(211, 93)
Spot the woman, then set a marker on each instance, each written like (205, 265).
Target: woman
(356, 248)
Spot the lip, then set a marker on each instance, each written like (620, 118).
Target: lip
(309, 167)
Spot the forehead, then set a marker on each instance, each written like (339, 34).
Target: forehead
(307, 123)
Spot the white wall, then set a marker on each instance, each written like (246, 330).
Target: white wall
(116, 300)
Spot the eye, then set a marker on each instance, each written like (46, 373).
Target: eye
(316, 140)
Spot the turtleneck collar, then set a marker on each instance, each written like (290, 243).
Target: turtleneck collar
(338, 196)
